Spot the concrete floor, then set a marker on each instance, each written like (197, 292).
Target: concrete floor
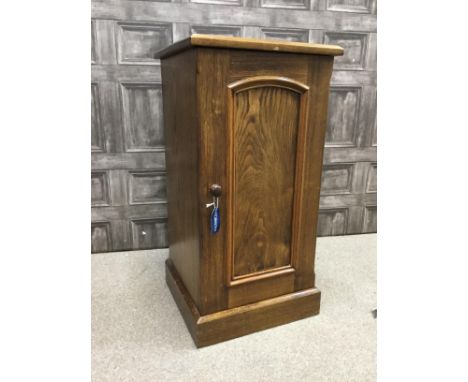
(139, 335)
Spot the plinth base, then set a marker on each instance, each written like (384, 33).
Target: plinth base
(235, 322)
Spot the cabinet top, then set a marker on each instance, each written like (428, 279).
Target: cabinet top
(213, 41)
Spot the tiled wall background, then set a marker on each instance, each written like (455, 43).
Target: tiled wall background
(128, 169)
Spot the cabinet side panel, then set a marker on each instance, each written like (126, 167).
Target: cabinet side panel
(181, 131)
(319, 74)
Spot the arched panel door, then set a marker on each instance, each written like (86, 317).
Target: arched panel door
(267, 118)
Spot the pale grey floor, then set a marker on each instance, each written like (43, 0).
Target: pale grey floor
(139, 335)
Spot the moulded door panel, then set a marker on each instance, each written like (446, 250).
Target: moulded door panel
(267, 118)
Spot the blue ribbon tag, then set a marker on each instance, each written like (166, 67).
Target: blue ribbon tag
(214, 220)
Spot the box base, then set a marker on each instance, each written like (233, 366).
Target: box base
(235, 322)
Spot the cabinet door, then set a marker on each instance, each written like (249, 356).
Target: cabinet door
(261, 139)
(267, 119)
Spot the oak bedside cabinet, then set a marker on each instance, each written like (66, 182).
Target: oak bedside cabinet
(245, 122)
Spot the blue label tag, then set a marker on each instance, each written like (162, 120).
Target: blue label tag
(214, 220)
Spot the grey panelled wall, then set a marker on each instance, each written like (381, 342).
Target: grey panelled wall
(128, 169)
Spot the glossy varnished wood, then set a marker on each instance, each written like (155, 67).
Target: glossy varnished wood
(319, 70)
(264, 152)
(253, 122)
(212, 73)
(260, 287)
(214, 41)
(182, 135)
(266, 129)
(231, 323)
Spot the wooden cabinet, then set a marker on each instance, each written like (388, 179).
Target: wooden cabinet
(245, 123)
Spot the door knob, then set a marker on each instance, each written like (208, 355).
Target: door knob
(215, 190)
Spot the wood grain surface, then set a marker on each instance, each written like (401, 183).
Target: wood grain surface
(183, 167)
(266, 121)
(239, 321)
(277, 45)
(265, 127)
(212, 72)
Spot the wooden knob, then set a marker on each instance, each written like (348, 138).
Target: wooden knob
(215, 190)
